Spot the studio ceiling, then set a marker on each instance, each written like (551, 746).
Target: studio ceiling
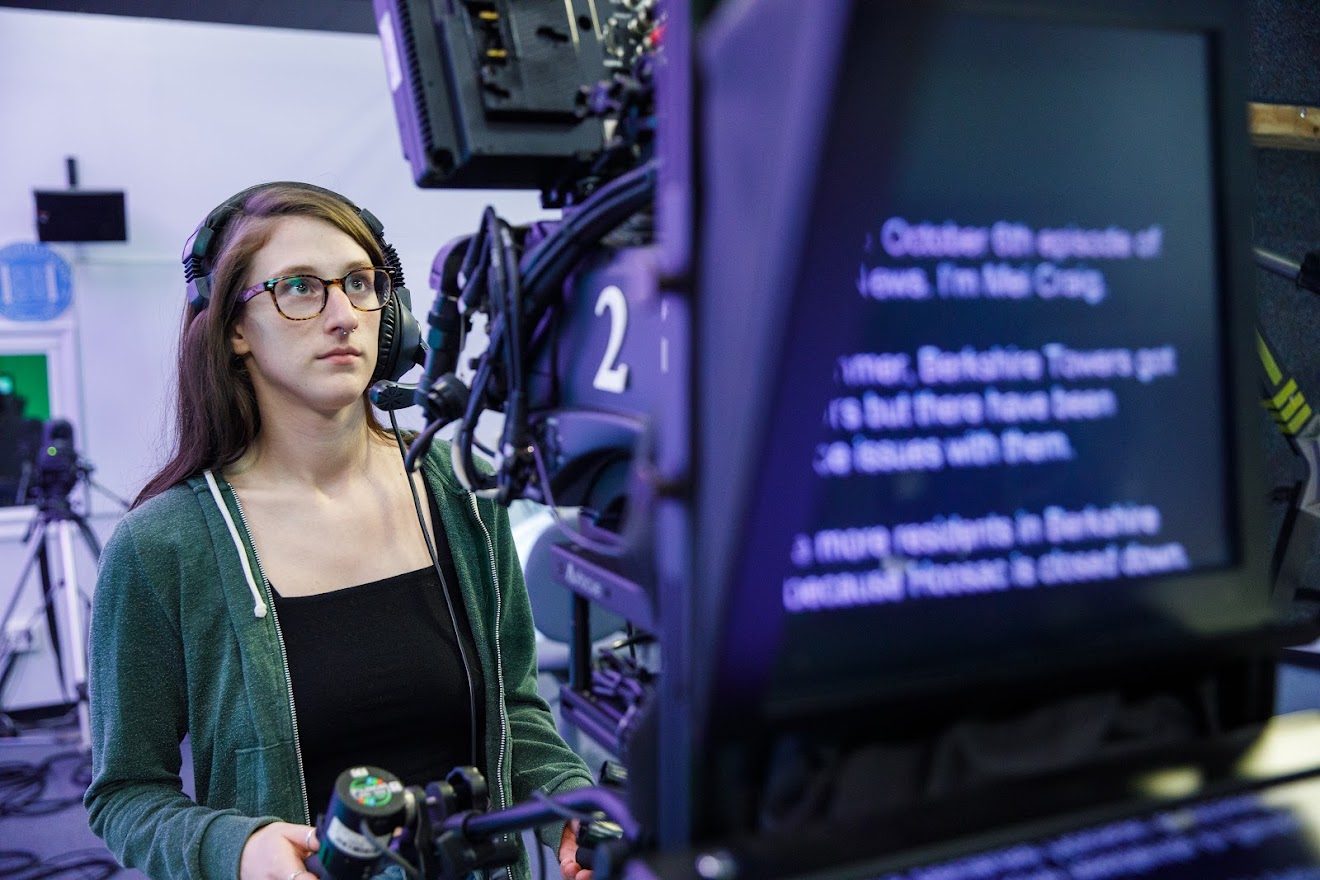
(343, 16)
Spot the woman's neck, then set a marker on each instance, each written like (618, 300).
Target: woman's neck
(307, 450)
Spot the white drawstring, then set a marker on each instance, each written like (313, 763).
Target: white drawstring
(260, 609)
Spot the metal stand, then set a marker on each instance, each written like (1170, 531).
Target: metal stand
(49, 545)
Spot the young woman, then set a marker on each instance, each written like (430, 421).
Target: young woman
(273, 596)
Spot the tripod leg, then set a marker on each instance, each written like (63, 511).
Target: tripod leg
(72, 665)
(75, 679)
(89, 536)
(52, 614)
(35, 548)
(36, 541)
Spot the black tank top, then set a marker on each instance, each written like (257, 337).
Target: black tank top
(378, 679)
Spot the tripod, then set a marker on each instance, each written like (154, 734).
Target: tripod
(48, 545)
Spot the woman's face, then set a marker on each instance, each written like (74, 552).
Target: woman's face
(323, 363)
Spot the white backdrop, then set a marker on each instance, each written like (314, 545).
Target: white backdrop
(180, 116)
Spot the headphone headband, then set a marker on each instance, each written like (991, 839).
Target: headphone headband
(198, 250)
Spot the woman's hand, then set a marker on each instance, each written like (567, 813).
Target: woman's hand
(278, 851)
(568, 866)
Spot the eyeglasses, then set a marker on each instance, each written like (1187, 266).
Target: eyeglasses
(303, 297)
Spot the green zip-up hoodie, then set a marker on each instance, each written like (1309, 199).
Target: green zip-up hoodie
(177, 647)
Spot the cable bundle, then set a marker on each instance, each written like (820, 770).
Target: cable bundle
(518, 298)
(22, 793)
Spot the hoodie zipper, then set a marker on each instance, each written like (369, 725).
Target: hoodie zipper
(499, 661)
(284, 658)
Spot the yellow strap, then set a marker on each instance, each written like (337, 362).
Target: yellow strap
(1288, 391)
(1296, 403)
(1299, 420)
(1267, 358)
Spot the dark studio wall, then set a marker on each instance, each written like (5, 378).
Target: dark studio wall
(1285, 69)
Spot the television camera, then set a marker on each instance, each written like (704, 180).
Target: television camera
(54, 468)
(561, 97)
(558, 97)
(915, 430)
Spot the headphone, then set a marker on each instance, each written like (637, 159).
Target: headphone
(400, 345)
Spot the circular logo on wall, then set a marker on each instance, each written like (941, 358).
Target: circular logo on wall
(35, 283)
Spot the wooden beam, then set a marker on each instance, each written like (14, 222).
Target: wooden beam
(1285, 126)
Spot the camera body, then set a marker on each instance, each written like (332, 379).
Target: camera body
(502, 95)
(55, 467)
(677, 357)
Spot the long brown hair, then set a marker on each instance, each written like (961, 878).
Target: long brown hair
(216, 414)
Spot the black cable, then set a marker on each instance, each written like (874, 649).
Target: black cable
(474, 267)
(459, 640)
(22, 865)
(515, 400)
(490, 276)
(420, 443)
(463, 436)
(501, 316)
(12, 861)
(548, 264)
(21, 788)
(632, 638)
(22, 785)
(613, 549)
(421, 820)
(470, 277)
(558, 253)
(365, 830)
(514, 303)
(502, 276)
(542, 274)
(560, 810)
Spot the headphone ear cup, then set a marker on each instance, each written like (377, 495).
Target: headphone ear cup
(199, 292)
(400, 339)
(387, 347)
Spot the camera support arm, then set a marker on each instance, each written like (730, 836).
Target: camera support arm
(463, 838)
(448, 836)
(533, 814)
